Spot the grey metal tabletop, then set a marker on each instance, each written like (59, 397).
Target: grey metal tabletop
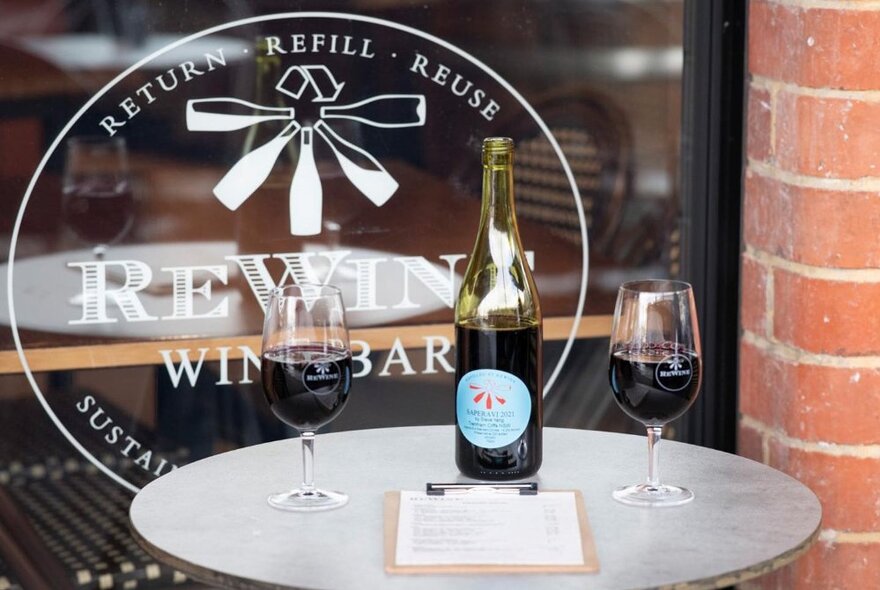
(210, 519)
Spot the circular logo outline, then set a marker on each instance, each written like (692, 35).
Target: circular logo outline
(230, 25)
(667, 360)
(317, 369)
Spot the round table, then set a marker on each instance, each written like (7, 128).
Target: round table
(210, 519)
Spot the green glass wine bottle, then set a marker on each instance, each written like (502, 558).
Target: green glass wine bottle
(268, 73)
(499, 370)
(271, 196)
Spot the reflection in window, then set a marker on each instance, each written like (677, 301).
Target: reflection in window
(604, 76)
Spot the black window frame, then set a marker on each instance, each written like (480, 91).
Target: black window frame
(711, 172)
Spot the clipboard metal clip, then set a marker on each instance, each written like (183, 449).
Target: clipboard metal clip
(441, 489)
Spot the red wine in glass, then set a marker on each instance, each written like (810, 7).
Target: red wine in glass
(306, 375)
(654, 385)
(98, 202)
(306, 385)
(654, 369)
(100, 212)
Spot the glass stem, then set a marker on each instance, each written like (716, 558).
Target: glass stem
(655, 434)
(308, 448)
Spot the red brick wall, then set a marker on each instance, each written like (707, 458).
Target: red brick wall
(810, 347)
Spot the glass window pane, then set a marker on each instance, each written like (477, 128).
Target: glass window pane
(248, 143)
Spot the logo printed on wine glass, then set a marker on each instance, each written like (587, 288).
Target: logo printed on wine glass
(299, 82)
(321, 377)
(674, 372)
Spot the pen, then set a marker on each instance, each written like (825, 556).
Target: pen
(440, 489)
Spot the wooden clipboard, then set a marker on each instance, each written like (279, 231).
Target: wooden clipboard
(588, 546)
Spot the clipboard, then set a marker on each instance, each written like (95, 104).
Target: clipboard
(392, 511)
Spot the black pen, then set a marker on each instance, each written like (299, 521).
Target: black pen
(440, 489)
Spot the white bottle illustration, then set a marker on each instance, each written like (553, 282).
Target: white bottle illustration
(360, 167)
(306, 195)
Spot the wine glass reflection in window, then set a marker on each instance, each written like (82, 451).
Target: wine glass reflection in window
(98, 202)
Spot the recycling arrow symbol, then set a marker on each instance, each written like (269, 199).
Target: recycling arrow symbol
(297, 79)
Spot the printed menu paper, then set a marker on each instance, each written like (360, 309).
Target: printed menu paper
(498, 531)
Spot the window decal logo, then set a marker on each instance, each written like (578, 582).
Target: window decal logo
(393, 115)
(358, 165)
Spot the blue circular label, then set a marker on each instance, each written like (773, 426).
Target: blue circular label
(492, 407)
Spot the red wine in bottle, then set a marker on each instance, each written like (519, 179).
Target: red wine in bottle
(499, 368)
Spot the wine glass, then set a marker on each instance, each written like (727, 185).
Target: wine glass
(655, 371)
(306, 374)
(97, 196)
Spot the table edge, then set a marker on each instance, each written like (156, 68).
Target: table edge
(723, 580)
(209, 576)
(199, 573)
(759, 569)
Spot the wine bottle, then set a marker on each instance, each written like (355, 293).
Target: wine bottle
(259, 179)
(498, 337)
(268, 72)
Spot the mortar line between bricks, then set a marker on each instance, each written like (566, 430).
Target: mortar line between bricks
(870, 96)
(846, 275)
(799, 356)
(765, 449)
(840, 5)
(773, 85)
(866, 184)
(825, 448)
(835, 536)
(769, 300)
(774, 108)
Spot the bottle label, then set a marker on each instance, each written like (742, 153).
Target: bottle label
(492, 407)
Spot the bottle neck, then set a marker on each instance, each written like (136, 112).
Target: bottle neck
(268, 72)
(498, 209)
(497, 290)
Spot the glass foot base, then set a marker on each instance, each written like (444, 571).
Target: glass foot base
(308, 501)
(645, 495)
